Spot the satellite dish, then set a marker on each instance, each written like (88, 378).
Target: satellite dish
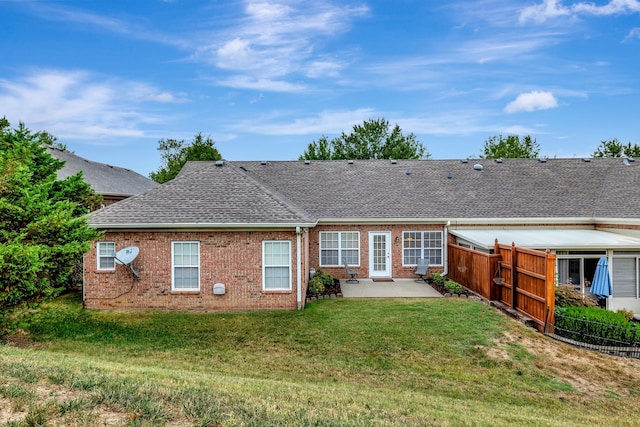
(126, 256)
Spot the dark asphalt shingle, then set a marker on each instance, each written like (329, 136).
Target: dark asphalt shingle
(292, 191)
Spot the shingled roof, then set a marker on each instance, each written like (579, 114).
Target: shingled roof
(205, 194)
(105, 179)
(455, 189)
(403, 190)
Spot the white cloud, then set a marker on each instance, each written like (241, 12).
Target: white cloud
(73, 104)
(94, 21)
(532, 101)
(633, 34)
(550, 9)
(326, 122)
(262, 84)
(279, 40)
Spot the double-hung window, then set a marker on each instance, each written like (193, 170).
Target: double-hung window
(276, 265)
(105, 251)
(339, 247)
(185, 259)
(421, 244)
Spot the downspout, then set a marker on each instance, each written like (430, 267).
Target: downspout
(298, 268)
(446, 249)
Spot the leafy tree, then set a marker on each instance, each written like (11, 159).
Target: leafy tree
(511, 147)
(615, 148)
(175, 153)
(42, 231)
(374, 139)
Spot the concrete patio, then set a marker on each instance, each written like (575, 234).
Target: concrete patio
(399, 288)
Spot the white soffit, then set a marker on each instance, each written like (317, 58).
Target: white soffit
(544, 238)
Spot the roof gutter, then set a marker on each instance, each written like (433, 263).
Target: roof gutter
(197, 225)
(476, 221)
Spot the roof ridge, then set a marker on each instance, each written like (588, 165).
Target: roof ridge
(272, 192)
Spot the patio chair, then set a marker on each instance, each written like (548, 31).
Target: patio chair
(351, 273)
(422, 270)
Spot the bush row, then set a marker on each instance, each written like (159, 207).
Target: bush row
(596, 326)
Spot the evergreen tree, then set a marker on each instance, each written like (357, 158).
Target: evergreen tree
(43, 232)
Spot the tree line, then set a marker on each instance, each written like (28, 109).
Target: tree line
(373, 139)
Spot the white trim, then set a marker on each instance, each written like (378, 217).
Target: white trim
(422, 248)
(550, 221)
(99, 257)
(389, 265)
(173, 266)
(298, 268)
(199, 225)
(339, 248)
(265, 266)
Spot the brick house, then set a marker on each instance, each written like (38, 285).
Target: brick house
(259, 227)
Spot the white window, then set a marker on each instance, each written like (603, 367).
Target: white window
(338, 247)
(185, 258)
(276, 265)
(105, 255)
(421, 244)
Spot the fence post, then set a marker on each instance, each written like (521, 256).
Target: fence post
(514, 276)
(550, 263)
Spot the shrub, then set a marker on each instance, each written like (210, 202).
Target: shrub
(320, 282)
(595, 325)
(569, 296)
(453, 287)
(628, 314)
(316, 286)
(437, 278)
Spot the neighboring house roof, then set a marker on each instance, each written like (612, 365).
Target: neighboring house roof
(105, 179)
(513, 190)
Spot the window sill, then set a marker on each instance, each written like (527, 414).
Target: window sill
(106, 271)
(277, 291)
(185, 292)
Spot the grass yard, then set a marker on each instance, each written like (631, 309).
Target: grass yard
(339, 362)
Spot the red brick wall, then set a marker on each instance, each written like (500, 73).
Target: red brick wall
(232, 258)
(397, 269)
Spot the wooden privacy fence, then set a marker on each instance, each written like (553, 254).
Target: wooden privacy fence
(519, 278)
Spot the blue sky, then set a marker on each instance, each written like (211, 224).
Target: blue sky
(266, 78)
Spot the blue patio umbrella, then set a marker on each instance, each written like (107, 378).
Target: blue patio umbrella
(601, 284)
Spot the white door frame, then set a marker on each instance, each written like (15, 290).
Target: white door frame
(387, 257)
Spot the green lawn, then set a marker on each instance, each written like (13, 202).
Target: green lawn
(339, 362)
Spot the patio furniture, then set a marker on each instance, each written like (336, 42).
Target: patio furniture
(422, 270)
(351, 273)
